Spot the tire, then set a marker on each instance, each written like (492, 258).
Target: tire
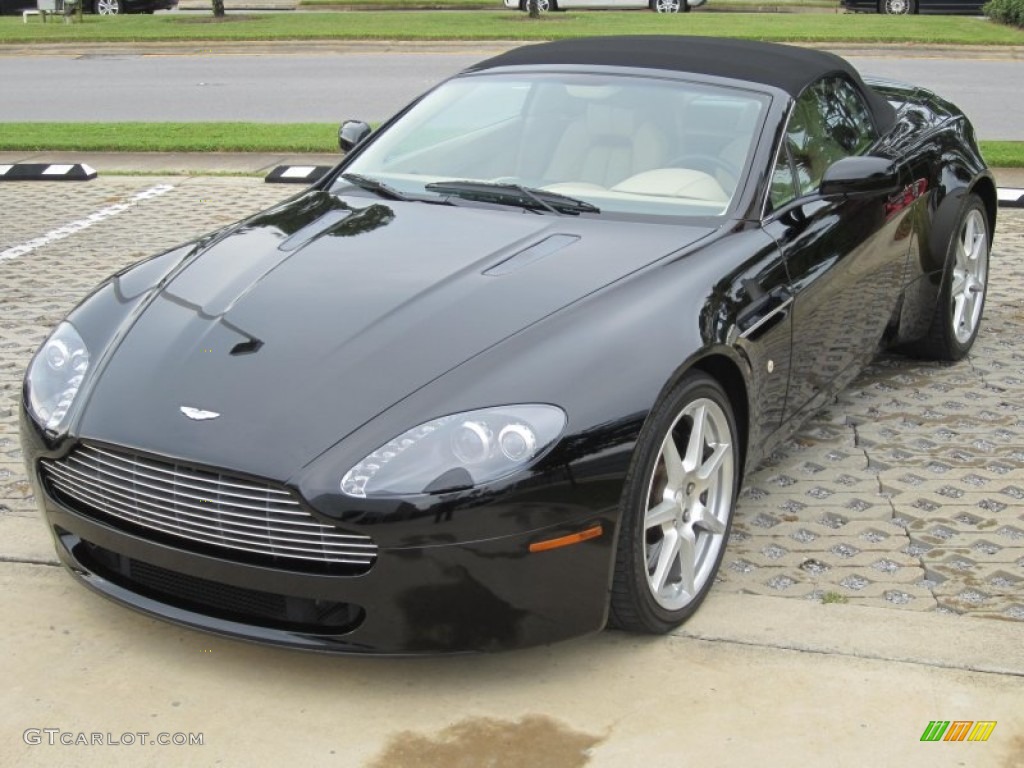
(667, 6)
(961, 301)
(662, 530)
(897, 7)
(108, 7)
(544, 6)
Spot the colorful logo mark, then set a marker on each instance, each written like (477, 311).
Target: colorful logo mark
(958, 730)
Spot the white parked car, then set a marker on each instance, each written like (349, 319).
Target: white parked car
(661, 6)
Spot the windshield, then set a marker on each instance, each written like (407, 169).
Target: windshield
(614, 144)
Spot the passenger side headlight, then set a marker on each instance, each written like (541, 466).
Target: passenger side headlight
(55, 376)
(456, 452)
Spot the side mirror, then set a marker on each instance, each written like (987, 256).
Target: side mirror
(351, 133)
(860, 176)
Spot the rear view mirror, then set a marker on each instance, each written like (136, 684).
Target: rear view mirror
(860, 176)
(351, 133)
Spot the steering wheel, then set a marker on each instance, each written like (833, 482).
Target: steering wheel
(699, 161)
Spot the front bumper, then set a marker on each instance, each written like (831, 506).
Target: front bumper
(482, 596)
(469, 596)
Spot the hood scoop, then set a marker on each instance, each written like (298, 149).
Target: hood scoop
(535, 252)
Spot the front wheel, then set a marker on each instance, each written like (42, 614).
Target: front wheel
(677, 508)
(957, 315)
(543, 6)
(897, 7)
(669, 6)
(108, 7)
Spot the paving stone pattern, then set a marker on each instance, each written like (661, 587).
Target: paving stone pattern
(908, 491)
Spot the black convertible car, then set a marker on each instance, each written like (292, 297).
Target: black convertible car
(495, 380)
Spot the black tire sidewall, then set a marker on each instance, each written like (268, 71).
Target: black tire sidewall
(631, 555)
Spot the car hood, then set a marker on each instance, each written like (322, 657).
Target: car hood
(303, 323)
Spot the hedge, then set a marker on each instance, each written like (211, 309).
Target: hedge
(1005, 11)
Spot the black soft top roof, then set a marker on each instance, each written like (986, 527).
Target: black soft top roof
(786, 67)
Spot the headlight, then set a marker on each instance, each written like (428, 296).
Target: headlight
(457, 451)
(55, 375)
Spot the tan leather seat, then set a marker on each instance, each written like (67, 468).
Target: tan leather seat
(607, 144)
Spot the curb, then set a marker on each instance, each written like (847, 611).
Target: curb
(1008, 197)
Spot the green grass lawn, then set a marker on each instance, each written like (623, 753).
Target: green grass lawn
(470, 25)
(170, 137)
(251, 137)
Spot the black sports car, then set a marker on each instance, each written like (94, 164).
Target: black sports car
(494, 381)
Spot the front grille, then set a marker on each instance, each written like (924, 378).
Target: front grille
(201, 508)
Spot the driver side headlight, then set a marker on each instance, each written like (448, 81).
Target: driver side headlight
(456, 452)
(55, 376)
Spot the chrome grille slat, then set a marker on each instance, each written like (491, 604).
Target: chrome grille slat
(203, 519)
(178, 495)
(203, 506)
(184, 531)
(139, 461)
(215, 479)
(113, 470)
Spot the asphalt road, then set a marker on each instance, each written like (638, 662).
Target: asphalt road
(331, 86)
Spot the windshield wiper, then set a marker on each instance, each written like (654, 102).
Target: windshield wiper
(375, 186)
(505, 193)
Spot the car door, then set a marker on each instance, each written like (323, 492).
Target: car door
(844, 256)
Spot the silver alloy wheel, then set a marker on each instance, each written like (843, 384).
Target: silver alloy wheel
(970, 276)
(897, 7)
(689, 501)
(667, 6)
(108, 7)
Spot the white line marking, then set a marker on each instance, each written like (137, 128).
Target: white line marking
(4, 169)
(77, 226)
(57, 170)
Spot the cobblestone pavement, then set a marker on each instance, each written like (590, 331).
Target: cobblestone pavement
(907, 492)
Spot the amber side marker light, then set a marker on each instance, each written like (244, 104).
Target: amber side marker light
(565, 541)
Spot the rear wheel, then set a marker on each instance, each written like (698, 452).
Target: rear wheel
(542, 5)
(108, 7)
(958, 310)
(668, 6)
(677, 508)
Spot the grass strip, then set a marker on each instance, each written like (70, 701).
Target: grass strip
(169, 137)
(499, 25)
(252, 137)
